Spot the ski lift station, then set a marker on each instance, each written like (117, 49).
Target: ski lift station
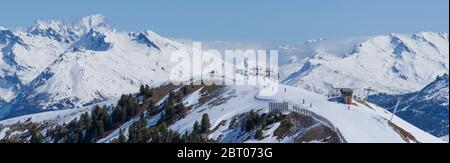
(347, 94)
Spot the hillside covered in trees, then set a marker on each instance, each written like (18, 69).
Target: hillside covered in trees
(102, 120)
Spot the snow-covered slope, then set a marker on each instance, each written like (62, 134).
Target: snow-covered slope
(62, 65)
(445, 138)
(364, 122)
(426, 109)
(58, 117)
(26, 53)
(395, 63)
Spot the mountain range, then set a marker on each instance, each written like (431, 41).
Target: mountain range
(59, 65)
(65, 68)
(395, 63)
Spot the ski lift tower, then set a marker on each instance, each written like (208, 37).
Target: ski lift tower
(268, 72)
(255, 70)
(368, 92)
(395, 109)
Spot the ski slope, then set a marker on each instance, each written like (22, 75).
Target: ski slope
(360, 124)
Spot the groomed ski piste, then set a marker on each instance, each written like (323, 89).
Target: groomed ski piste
(360, 124)
(363, 123)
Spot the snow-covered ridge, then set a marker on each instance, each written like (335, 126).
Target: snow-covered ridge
(373, 121)
(69, 28)
(62, 65)
(395, 63)
(426, 109)
(93, 40)
(438, 90)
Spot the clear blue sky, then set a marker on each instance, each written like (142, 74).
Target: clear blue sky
(251, 20)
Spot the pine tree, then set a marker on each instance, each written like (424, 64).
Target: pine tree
(185, 137)
(119, 115)
(185, 89)
(142, 90)
(36, 136)
(255, 118)
(152, 109)
(259, 134)
(205, 124)
(87, 121)
(170, 112)
(137, 132)
(148, 92)
(249, 125)
(122, 138)
(196, 128)
(182, 111)
(101, 128)
(253, 121)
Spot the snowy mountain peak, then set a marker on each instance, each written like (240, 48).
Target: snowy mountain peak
(70, 64)
(400, 43)
(438, 89)
(445, 76)
(93, 40)
(46, 24)
(408, 61)
(60, 30)
(53, 29)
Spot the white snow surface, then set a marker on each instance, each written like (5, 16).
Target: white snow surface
(83, 62)
(359, 124)
(58, 117)
(192, 98)
(3, 132)
(396, 63)
(445, 138)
